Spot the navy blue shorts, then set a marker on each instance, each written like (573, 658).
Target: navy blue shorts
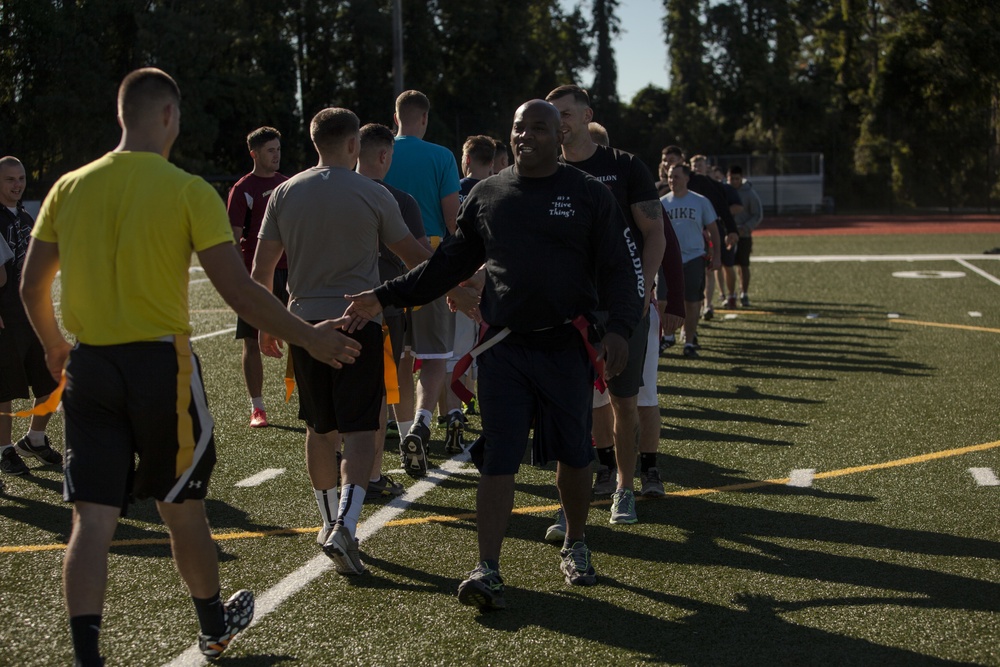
(137, 399)
(521, 387)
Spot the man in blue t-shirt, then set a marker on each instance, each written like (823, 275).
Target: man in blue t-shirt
(429, 173)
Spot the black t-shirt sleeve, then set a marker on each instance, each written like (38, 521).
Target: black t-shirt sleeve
(617, 279)
(456, 259)
(641, 186)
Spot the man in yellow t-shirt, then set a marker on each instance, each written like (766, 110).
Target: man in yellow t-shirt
(122, 230)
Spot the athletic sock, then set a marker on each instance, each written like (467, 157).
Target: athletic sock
(211, 616)
(492, 564)
(647, 461)
(427, 417)
(8, 445)
(569, 542)
(86, 631)
(36, 438)
(606, 457)
(327, 501)
(258, 403)
(351, 501)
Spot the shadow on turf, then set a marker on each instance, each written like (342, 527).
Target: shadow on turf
(751, 630)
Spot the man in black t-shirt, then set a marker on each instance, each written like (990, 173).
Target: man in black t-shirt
(553, 241)
(22, 359)
(616, 425)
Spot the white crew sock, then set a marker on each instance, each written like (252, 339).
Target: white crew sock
(258, 403)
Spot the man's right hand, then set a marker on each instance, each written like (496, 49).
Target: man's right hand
(331, 346)
(363, 308)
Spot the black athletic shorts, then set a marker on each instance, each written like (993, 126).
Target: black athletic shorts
(22, 363)
(347, 399)
(550, 389)
(139, 399)
(743, 251)
(626, 384)
(278, 289)
(694, 280)
(729, 254)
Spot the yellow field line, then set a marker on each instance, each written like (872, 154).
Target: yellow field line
(964, 327)
(538, 509)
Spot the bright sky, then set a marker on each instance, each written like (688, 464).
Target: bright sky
(640, 50)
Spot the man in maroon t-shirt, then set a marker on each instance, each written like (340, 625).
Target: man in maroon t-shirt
(247, 201)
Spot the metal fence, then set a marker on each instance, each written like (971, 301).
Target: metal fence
(785, 182)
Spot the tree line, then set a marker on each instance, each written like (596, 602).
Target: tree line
(901, 96)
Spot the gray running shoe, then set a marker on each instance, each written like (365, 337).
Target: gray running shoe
(557, 531)
(343, 551)
(324, 534)
(238, 612)
(623, 507)
(11, 463)
(605, 480)
(576, 565)
(483, 588)
(43, 452)
(652, 486)
(413, 449)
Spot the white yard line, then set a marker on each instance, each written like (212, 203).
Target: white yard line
(984, 476)
(214, 333)
(272, 598)
(975, 269)
(874, 258)
(261, 477)
(802, 478)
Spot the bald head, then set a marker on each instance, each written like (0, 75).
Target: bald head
(536, 138)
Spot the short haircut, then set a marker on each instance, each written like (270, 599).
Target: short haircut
(10, 161)
(673, 150)
(580, 95)
(480, 149)
(411, 104)
(501, 146)
(375, 136)
(142, 89)
(683, 167)
(330, 127)
(599, 134)
(698, 158)
(260, 136)
(735, 169)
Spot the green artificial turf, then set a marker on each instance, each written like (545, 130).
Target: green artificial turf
(873, 566)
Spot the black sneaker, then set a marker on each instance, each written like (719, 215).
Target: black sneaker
(690, 351)
(43, 452)
(238, 612)
(471, 406)
(605, 480)
(709, 313)
(385, 487)
(483, 589)
(453, 440)
(11, 463)
(442, 420)
(413, 449)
